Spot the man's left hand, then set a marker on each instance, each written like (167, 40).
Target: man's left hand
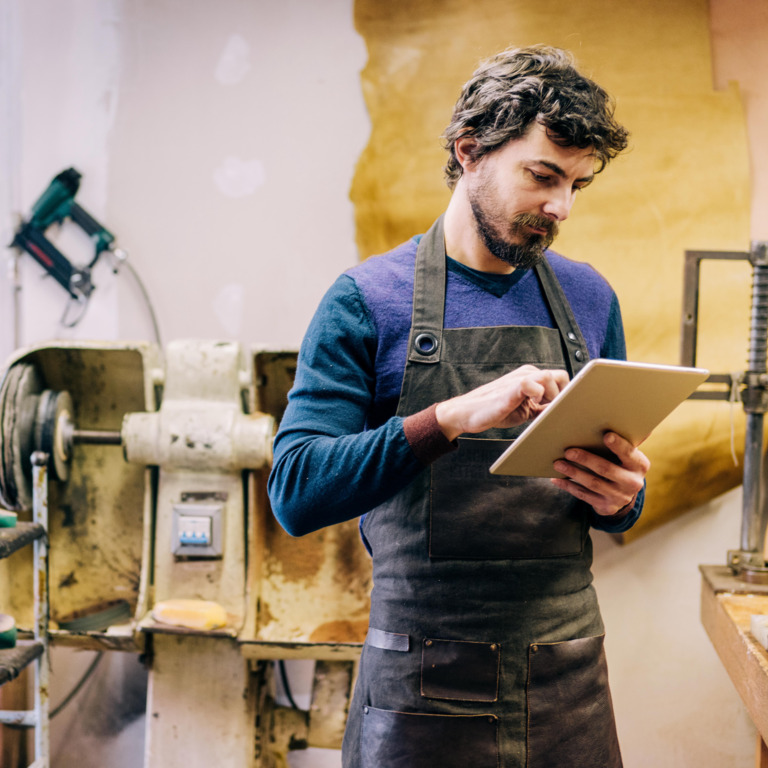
(609, 487)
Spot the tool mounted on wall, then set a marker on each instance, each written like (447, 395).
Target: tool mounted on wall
(55, 205)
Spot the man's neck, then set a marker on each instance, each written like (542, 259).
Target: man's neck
(462, 241)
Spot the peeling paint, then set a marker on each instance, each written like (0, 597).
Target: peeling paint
(340, 632)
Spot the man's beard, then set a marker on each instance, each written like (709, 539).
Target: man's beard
(529, 248)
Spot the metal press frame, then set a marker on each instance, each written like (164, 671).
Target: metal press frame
(748, 562)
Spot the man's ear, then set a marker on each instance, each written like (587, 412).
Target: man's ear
(465, 149)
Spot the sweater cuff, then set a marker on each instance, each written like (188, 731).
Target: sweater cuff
(425, 437)
(617, 517)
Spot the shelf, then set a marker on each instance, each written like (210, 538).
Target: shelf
(12, 539)
(13, 660)
(257, 650)
(123, 638)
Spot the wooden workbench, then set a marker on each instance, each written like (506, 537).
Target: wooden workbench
(727, 604)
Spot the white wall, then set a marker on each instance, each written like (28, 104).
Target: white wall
(59, 113)
(675, 704)
(218, 142)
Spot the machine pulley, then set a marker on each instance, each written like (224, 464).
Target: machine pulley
(36, 419)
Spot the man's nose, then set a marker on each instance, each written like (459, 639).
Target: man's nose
(558, 204)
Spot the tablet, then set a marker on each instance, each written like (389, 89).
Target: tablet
(630, 399)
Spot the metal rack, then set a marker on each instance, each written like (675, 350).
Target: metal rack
(14, 660)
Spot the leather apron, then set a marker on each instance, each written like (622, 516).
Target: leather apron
(485, 642)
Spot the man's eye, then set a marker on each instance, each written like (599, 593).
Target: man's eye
(541, 178)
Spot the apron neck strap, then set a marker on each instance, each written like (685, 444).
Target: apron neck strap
(574, 345)
(426, 337)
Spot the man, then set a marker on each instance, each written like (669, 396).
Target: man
(485, 643)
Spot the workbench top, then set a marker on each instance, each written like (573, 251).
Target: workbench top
(727, 604)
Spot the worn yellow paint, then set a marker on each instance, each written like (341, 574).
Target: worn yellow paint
(683, 184)
(307, 596)
(314, 589)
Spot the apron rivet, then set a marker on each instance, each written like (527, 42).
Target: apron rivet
(491, 720)
(428, 643)
(571, 336)
(534, 648)
(365, 710)
(578, 354)
(425, 343)
(494, 647)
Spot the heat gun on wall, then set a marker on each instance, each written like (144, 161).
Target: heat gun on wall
(52, 207)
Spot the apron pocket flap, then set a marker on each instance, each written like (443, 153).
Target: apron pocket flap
(570, 713)
(460, 670)
(405, 740)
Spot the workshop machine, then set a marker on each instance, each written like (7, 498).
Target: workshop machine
(152, 466)
(747, 564)
(734, 596)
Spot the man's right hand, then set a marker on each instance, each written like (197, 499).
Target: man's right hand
(505, 402)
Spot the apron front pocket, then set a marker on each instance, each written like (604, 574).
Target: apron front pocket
(459, 670)
(570, 713)
(415, 740)
(475, 515)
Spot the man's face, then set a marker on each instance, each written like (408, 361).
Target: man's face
(520, 193)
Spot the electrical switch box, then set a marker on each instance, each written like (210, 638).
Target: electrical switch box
(197, 530)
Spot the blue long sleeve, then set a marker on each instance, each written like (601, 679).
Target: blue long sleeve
(327, 467)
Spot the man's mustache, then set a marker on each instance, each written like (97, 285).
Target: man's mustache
(535, 221)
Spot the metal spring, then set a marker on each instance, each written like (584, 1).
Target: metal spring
(758, 327)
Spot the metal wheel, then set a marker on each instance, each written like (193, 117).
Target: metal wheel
(19, 397)
(53, 430)
(31, 419)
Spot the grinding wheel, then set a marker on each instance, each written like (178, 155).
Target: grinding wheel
(19, 397)
(53, 430)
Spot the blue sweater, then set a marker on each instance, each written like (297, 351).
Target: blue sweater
(340, 450)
